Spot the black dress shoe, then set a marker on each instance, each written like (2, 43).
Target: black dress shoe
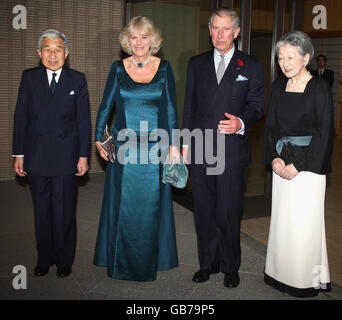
(231, 280)
(41, 271)
(63, 272)
(204, 275)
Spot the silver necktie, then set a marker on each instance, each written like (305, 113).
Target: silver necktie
(220, 70)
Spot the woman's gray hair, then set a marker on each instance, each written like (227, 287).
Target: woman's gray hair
(297, 39)
(144, 26)
(221, 12)
(51, 33)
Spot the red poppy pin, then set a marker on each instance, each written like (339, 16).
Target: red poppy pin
(240, 62)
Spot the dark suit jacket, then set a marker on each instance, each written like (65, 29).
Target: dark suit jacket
(52, 131)
(327, 75)
(206, 102)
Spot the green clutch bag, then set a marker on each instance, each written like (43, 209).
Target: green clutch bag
(175, 173)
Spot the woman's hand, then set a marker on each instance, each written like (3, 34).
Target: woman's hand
(174, 154)
(278, 165)
(289, 172)
(103, 153)
(185, 151)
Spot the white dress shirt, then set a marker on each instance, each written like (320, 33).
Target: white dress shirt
(50, 72)
(321, 72)
(227, 57)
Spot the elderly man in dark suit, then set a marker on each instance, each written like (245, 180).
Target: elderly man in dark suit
(225, 93)
(51, 143)
(322, 71)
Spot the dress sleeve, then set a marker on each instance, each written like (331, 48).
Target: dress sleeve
(171, 103)
(321, 145)
(106, 103)
(271, 134)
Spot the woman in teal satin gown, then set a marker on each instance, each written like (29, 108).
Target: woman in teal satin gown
(136, 235)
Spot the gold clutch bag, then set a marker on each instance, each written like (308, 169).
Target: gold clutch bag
(107, 144)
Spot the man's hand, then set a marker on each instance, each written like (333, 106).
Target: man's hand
(103, 153)
(230, 126)
(82, 166)
(19, 166)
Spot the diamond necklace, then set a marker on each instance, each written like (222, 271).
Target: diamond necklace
(141, 64)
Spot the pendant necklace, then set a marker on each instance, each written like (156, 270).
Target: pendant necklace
(141, 64)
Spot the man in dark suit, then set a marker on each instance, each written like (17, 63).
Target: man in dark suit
(225, 93)
(322, 71)
(51, 143)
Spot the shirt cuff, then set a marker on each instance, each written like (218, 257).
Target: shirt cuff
(242, 129)
(18, 155)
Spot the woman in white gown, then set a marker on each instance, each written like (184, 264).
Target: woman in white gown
(298, 144)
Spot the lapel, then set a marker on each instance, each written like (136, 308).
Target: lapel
(44, 89)
(61, 84)
(43, 92)
(208, 70)
(63, 88)
(232, 71)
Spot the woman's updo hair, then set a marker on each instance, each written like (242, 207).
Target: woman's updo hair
(297, 39)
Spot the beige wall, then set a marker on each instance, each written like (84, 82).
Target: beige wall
(92, 28)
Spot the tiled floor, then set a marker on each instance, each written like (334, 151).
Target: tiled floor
(258, 228)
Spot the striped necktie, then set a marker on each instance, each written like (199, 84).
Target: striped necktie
(221, 69)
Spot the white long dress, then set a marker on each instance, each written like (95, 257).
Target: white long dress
(297, 232)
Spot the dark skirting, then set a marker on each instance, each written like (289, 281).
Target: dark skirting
(292, 291)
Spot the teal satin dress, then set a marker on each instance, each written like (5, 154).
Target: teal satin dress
(136, 235)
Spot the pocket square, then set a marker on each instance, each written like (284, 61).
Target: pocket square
(72, 92)
(241, 78)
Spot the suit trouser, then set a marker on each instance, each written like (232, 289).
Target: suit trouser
(218, 206)
(55, 219)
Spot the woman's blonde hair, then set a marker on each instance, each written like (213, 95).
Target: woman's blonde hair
(144, 26)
